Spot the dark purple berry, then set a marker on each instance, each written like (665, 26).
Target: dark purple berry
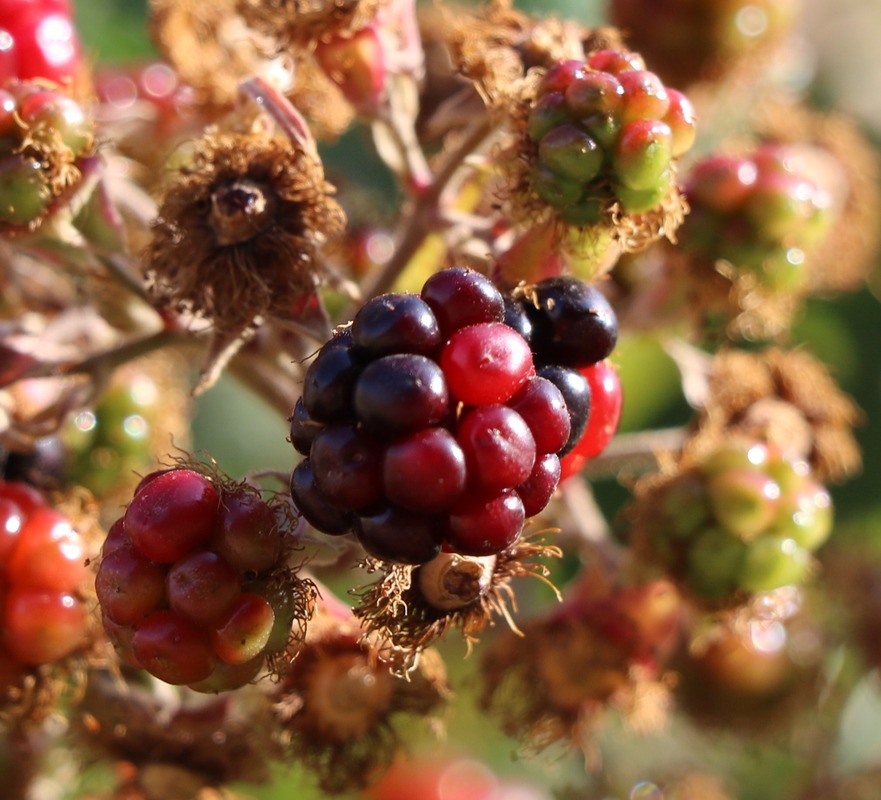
(319, 512)
(347, 464)
(304, 429)
(401, 393)
(424, 471)
(574, 324)
(395, 534)
(460, 296)
(395, 323)
(329, 383)
(536, 491)
(516, 317)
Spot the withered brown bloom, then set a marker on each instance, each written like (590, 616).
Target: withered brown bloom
(301, 23)
(786, 398)
(341, 702)
(239, 230)
(558, 680)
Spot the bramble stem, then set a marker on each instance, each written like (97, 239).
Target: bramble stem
(423, 217)
(634, 453)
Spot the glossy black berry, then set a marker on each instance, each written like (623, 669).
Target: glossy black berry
(395, 323)
(574, 324)
(347, 463)
(576, 392)
(329, 383)
(395, 534)
(304, 429)
(317, 510)
(401, 393)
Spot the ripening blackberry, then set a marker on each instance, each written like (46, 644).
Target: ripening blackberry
(192, 583)
(432, 423)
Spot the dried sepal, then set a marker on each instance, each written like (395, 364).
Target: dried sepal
(208, 44)
(773, 394)
(558, 681)
(239, 231)
(411, 613)
(212, 740)
(341, 703)
(497, 45)
(298, 24)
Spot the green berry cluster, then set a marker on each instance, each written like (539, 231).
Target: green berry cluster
(761, 212)
(42, 133)
(607, 130)
(746, 519)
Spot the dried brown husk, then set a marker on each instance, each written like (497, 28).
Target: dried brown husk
(341, 704)
(741, 380)
(301, 23)
(557, 682)
(208, 44)
(495, 46)
(251, 262)
(160, 730)
(394, 609)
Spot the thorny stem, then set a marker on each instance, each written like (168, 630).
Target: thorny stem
(423, 217)
(280, 109)
(106, 361)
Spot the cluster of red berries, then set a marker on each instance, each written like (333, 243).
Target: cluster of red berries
(606, 130)
(438, 420)
(189, 581)
(746, 518)
(42, 569)
(759, 211)
(38, 39)
(42, 132)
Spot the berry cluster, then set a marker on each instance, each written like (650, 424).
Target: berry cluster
(760, 212)
(439, 419)
(38, 40)
(607, 130)
(42, 568)
(42, 133)
(746, 518)
(113, 439)
(191, 584)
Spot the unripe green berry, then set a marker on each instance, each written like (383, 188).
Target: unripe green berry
(645, 96)
(24, 190)
(772, 562)
(642, 154)
(805, 514)
(549, 111)
(571, 153)
(715, 563)
(553, 189)
(743, 501)
(595, 92)
(681, 118)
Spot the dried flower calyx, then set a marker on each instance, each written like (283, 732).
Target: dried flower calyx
(238, 232)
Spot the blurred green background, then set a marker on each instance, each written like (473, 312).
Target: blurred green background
(243, 434)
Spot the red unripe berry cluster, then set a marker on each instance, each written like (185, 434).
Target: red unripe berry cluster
(607, 130)
(184, 581)
(42, 568)
(760, 211)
